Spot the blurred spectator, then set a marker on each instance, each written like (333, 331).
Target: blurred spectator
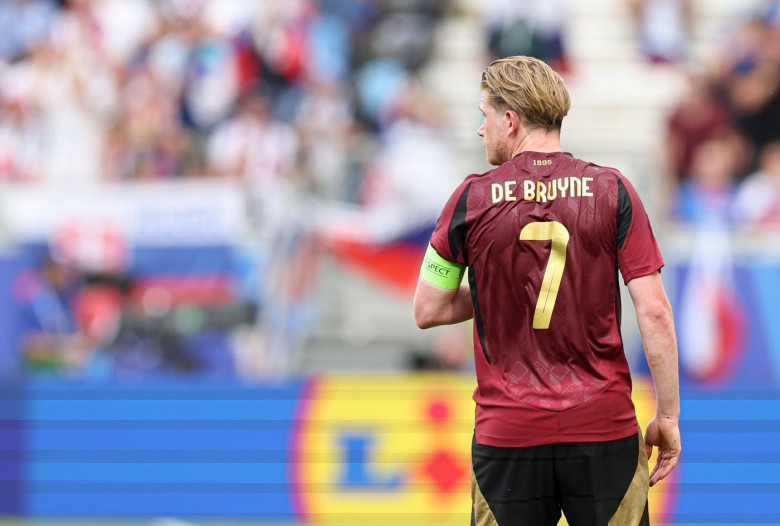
(210, 87)
(380, 84)
(527, 28)
(124, 26)
(23, 23)
(360, 148)
(697, 117)
(324, 124)
(735, 99)
(404, 183)
(747, 70)
(663, 28)
(21, 139)
(75, 89)
(225, 18)
(329, 45)
(758, 197)
(707, 194)
(119, 160)
(404, 36)
(127, 90)
(53, 339)
(361, 17)
(253, 144)
(151, 142)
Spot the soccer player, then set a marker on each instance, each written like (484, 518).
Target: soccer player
(543, 236)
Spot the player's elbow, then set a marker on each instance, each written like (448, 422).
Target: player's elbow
(432, 305)
(427, 313)
(423, 316)
(657, 313)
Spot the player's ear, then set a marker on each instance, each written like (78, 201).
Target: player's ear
(513, 121)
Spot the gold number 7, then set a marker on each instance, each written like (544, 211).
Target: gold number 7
(551, 282)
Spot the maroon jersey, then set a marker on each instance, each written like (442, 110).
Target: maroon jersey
(543, 236)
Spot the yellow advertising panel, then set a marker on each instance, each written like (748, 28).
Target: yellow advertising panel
(396, 450)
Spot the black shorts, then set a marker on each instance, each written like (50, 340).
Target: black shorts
(592, 483)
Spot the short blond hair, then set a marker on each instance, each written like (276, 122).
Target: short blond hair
(530, 88)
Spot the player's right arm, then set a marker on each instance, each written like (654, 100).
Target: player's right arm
(656, 326)
(434, 306)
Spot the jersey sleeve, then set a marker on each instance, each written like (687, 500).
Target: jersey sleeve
(638, 252)
(449, 236)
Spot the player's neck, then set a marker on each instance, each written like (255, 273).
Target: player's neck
(538, 141)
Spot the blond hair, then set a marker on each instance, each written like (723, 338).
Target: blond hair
(530, 88)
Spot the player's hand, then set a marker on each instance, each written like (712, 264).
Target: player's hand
(665, 435)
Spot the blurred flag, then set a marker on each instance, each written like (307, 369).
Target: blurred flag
(711, 319)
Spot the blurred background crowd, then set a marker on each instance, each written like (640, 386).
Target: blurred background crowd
(137, 89)
(212, 219)
(312, 92)
(722, 143)
(342, 125)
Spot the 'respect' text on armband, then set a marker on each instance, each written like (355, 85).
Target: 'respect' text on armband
(438, 271)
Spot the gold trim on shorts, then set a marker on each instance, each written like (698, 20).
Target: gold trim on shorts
(632, 507)
(483, 516)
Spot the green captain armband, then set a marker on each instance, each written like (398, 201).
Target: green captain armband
(438, 271)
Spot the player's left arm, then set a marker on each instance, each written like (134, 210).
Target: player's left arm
(656, 326)
(441, 298)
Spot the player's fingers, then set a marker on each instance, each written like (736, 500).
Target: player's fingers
(658, 473)
(656, 468)
(652, 474)
(649, 449)
(663, 467)
(672, 461)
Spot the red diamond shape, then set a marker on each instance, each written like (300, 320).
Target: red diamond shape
(445, 471)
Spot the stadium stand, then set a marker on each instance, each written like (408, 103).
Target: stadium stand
(620, 106)
(179, 91)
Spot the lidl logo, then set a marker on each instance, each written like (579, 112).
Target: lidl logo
(389, 448)
(393, 450)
